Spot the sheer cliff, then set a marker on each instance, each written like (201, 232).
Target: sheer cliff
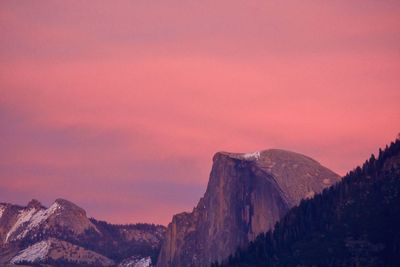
(246, 195)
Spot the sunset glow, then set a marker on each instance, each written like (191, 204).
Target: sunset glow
(119, 106)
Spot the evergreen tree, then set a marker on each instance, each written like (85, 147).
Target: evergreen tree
(356, 222)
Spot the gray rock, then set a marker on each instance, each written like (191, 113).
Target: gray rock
(246, 195)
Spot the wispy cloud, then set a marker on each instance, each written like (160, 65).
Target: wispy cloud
(120, 106)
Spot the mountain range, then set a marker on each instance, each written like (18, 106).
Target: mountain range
(63, 235)
(267, 208)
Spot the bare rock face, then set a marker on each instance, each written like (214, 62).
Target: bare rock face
(34, 233)
(246, 195)
(18, 223)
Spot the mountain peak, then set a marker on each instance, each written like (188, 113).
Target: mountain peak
(247, 194)
(69, 206)
(34, 203)
(64, 202)
(62, 235)
(274, 153)
(252, 156)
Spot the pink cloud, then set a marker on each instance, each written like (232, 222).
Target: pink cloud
(129, 95)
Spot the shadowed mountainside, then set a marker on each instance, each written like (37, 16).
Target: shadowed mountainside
(354, 223)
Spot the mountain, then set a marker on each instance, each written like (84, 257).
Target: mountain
(246, 195)
(354, 223)
(54, 251)
(63, 235)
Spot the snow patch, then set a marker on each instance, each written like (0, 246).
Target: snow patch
(136, 262)
(33, 254)
(2, 209)
(145, 262)
(23, 217)
(38, 218)
(34, 218)
(251, 156)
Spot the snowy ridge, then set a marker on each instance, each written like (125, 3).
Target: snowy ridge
(32, 216)
(35, 235)
(2, 209)
(251, 156)
(243, 156)
(35, 253)
(23, 217)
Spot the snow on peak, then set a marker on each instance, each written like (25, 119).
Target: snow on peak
(243, 156)
(2, 209)
(252, 156)
(31, 218)
(34, 253)
(23, 217)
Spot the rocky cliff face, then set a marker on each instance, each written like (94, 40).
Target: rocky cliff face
(62, 234)
(246, 195)
(21, 223)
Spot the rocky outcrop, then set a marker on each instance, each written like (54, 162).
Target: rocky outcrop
(65, 227)
(21, 223)
(246, 195)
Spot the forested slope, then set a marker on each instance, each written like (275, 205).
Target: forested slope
(353, 223)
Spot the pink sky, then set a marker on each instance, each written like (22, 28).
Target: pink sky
(119, 106)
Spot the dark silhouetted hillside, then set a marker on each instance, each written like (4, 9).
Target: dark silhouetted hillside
(353, 223)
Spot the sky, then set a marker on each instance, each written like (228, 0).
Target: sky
(119, 106)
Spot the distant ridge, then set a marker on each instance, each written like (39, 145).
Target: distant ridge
(62, 235)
